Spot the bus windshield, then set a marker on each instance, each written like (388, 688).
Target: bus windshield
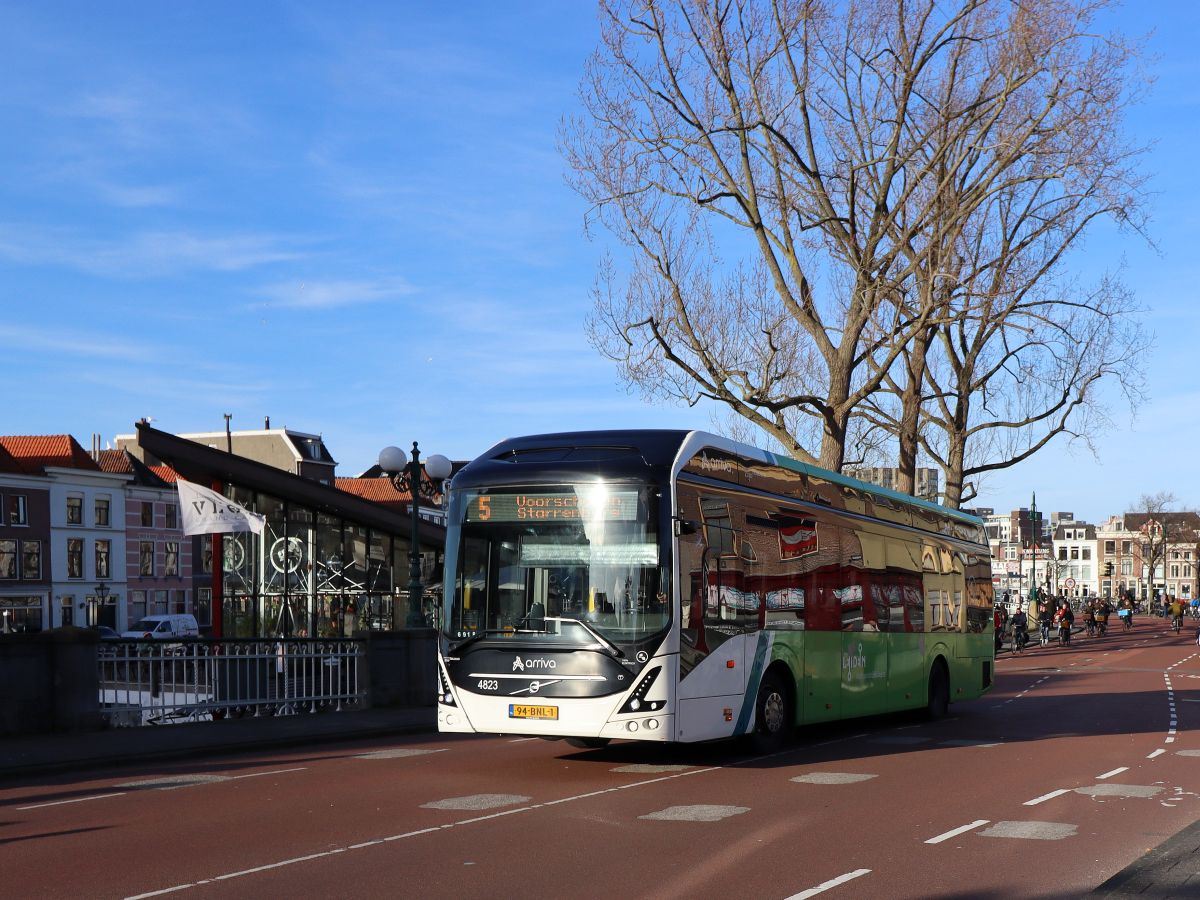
(526, 563)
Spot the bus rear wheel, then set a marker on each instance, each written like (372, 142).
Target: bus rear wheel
(939, 691)
(772, 715)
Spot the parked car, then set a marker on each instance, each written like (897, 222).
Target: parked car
(164, 627)
(108, 637)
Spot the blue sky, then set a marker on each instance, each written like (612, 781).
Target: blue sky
(352, 218)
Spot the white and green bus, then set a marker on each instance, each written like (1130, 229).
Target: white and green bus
(679, 586)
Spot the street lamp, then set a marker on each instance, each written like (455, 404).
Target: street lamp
(405, 474)
(95, 602)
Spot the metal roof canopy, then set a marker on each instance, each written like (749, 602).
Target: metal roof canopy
(201, 464)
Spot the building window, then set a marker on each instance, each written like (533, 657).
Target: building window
(147, 557)
(147, 514)
(204, 606)
(18, 512)
(1110, 547)
(1127, 567)
(160, 603)
(1062, 552)
(180, 601)
(102, 550)
(171, 560)
(20, 614)
(1074, 553)
(1125, 548)
(74, 510)
(8, 558)
(102, 512)
(1174, 571)
(138, 601)
(1087, 553)
(31, 560)
(74, 557)
(172, 515)
(206, 544)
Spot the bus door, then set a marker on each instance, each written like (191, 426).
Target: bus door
(712, 639)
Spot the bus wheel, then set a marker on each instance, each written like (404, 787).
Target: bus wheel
(772, 715)
(586, 743)
(939, 691)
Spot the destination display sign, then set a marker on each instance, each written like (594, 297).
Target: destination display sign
(547, 506)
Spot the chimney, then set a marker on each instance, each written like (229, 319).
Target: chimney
(266, 423)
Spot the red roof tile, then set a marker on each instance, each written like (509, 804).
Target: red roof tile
(166, 473)
(377, 490)
(115, 461)
(35, 452)
(9, 464)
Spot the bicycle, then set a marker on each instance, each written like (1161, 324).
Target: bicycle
(1020, 639)
(1176, 621)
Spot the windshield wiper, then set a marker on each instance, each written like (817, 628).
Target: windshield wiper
(601, 639)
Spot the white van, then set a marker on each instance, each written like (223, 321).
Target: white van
(166, 627)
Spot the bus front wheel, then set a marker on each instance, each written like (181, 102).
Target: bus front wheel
(772, 715)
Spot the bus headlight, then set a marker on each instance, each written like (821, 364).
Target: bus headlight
(638, 698)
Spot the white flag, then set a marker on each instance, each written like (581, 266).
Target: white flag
(207, 512)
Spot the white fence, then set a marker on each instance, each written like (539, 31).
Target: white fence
(149, 682)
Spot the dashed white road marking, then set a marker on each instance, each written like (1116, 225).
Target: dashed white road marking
(1188, 752)
(1112, 773)
(72, 800)
(1159, 752)
(1050, 796)
(832, 778)
(272, 772)
(648, 769)
(410, 834)
(955, 832)
(831, 883)
(1034, 831)
(703, 812)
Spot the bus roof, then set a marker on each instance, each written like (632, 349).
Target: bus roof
(661, 449)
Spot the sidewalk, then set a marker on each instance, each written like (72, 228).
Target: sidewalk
(39, 754)
(1172, 869)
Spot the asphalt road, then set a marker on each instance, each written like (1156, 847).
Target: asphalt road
(1079, 761)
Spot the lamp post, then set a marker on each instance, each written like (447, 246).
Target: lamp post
(405, 474)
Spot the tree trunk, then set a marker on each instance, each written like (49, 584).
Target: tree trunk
(910, 415)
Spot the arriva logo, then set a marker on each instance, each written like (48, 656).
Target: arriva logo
(520, 665)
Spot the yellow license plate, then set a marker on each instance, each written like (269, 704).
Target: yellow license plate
(524, 711)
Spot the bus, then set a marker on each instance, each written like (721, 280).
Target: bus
(679, 586)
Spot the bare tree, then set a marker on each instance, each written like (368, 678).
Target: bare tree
(1162, 527)
(801, 185)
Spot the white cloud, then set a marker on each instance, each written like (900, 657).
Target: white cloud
(146, 254)
(54, 339)
(309, 294)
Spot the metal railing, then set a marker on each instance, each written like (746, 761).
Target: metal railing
(154, 682)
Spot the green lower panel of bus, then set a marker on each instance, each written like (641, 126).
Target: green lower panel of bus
(841, 675)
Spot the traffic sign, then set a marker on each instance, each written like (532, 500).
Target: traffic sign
(1070, 583)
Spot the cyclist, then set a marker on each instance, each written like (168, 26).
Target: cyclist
(1020, 630)
(1045, 620)
(1175, 610)
(1065, 618)
(1102, 614)
(1089, 618)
